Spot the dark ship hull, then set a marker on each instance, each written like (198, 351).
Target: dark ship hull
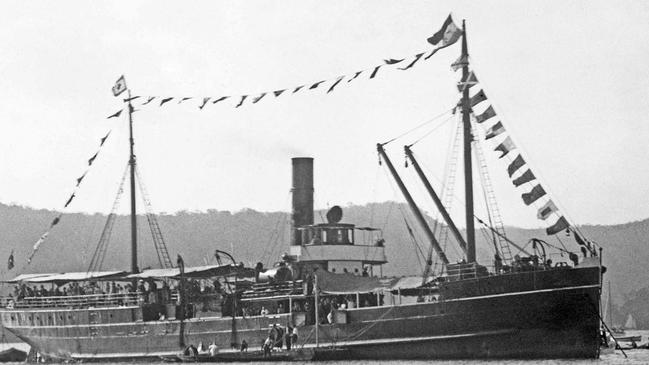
(538, 314)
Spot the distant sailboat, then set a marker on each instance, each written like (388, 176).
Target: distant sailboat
(630, 323)
(609, 313)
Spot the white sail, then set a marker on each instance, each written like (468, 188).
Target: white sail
(630, 323)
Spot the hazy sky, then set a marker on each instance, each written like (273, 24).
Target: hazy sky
(569, 79)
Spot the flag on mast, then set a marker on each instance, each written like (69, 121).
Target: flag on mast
(515, 165)
(534, 194)
(448, 34)
(10, 261)
(561, 224)
(495, 130)
(546, 210)
(120, 86)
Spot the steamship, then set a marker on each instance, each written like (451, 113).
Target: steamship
(329, 291)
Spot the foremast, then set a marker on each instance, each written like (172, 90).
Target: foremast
(131, 163)
(468, 139)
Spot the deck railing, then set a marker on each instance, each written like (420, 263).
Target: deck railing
(75, 301)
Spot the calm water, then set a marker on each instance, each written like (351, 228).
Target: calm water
(634, 357)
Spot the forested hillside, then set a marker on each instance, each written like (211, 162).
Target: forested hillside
(253, 236)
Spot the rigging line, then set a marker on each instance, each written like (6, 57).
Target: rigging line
(400, 208)
(100, 251)
(275, 232)
(418, 126)
(459, 200)
(431, 131)
(561, 242)
(372, 207)
(501, 236)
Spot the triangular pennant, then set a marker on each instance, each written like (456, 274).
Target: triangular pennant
(36, 246)
(459, 63)
(526, 177)
(417, 57)
(92, 159)
(316, 84)
(534, 194)
(278, 92)
(467, 82)
(392, 61)
(104, 139)
(117, 114)
(477, 98)
(243, 98)
(376, 70)
(486, 115)
(150, 99)
(10, 261)
(331, 88)
(69, 201)
(506, 146)
(131, 108)
(165, 100)
(220, 99)
(80, 179)
(546, 210)
(298, 89)
(255, 100)
(495, 130)
(205, 100)
(355, 76)
(184, 99)
(515, 165)
(559, 226)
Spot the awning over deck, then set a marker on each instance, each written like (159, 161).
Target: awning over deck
(25, 277)
(196, 272)
(67, 277)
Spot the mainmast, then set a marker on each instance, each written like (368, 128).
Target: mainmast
(131, 163)
(468, 138)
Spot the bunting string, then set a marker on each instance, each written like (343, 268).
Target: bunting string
(202, 102)
(445, 37)
(78, 182)
(517, 169)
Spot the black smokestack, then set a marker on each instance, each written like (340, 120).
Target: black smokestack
(302, 214)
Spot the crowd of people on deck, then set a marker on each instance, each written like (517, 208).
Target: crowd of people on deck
(149, 290)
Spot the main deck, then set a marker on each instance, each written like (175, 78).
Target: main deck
(549, 313)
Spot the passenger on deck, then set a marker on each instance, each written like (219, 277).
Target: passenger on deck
(267, 346)
(296, 307)
(280, 308)
(287, 337)
(244, 346)
(294, 337)
(213, 349)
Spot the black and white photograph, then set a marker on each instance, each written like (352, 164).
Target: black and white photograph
(339, 181)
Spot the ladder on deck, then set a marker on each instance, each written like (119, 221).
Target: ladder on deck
(448, 187)
(495, 219)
